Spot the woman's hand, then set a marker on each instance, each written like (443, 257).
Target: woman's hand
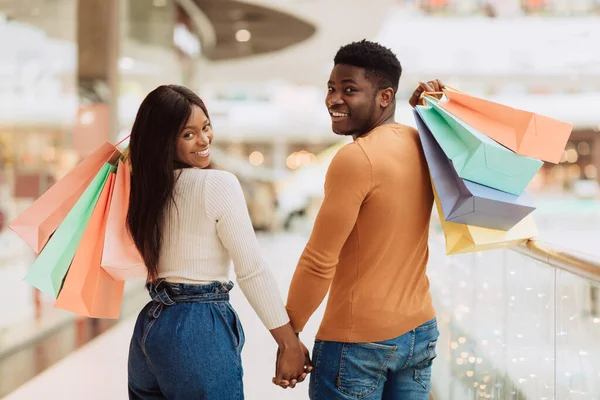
(289, 368)
(293, 360)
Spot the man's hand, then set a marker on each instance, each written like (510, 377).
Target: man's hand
(290, 365)
(434, 86)
(307, 362)
(285, 359)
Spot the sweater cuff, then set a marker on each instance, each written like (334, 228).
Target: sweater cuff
(297, 323)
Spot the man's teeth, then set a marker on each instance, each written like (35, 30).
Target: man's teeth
(337, 114)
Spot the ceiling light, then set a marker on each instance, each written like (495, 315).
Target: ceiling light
(243, 35)
(87, 118)
(126, 63)
(186, 41)
(256, 158)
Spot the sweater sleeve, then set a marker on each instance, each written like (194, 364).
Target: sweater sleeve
(225, 203)
(347, 184)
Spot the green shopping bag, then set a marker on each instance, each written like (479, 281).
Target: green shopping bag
(50, 268)
(476, 157)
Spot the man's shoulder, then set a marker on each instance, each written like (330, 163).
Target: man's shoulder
(350, 153)
(389, 138)
(349, 161)
(400, 128)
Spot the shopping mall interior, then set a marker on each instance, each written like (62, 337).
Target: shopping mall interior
(519, 323)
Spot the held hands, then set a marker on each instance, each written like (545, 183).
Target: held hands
(293, 365)
(434, 86)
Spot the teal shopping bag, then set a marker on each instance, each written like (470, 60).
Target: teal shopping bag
(476, 157)
(50, 268)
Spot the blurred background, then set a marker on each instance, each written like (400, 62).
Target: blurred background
(73, 73)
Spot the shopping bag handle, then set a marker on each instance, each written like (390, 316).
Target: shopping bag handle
(443, 92)
(452, 89)
(124, 139)
(424, 94)
(126, 154)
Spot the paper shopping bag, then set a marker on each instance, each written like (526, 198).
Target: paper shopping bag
(49, 269)
(467, 202)
(88, 290)
(39, 221)
(120, 257)
(523, 132)
(462, 238)
(476, 157)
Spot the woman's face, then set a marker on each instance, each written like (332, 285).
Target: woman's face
(193, 142)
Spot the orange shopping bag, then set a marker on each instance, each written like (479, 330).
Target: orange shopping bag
(39, 221)
(120, 257)
(88, 290)
(524, 132)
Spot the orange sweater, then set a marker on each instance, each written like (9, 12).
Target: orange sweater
(369, 242)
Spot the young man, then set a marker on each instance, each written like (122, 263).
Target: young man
(378, 336)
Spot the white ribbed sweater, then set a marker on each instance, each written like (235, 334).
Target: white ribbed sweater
(208, 228)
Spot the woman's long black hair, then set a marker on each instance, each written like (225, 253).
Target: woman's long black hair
(160, 119)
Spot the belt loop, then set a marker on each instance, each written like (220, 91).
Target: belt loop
(227, 286)
(160, 297)
(155, 310)
(164, 298)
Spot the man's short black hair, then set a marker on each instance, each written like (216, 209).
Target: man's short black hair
(380, 63)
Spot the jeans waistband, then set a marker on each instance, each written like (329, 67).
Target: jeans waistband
(164, 294)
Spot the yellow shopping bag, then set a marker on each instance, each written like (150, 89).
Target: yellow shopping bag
(462, 238)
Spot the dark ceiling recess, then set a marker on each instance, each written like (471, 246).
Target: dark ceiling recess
(270, 30)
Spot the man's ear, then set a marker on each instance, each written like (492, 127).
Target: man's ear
(386, 97)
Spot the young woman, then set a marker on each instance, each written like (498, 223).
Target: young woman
(189, 222)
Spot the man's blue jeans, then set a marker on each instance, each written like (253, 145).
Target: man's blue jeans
(397, 369)
(187, 344)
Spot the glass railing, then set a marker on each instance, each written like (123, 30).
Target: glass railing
(516, 324)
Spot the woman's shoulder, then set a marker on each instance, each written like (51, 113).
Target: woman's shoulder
(210, 177)
(222, 191)
(212, 174)
(220, 177)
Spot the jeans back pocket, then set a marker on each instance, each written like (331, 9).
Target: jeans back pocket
(422, 369)
(362, 366)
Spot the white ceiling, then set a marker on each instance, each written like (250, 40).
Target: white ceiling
(447, 47)
(484, 47)
(464, 51)
(308, 62)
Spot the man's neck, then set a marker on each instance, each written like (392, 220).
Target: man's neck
(390, 120)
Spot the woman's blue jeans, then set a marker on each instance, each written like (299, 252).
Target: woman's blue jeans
(187, 344)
